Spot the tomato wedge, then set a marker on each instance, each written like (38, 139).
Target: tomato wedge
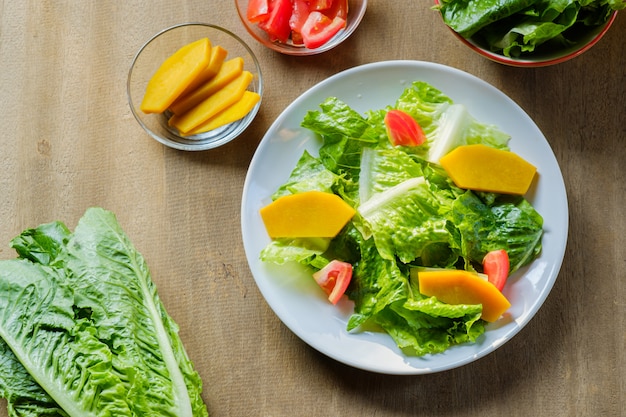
(496, 266)
(403, 130)
(298, 17)
(339, 8)
(277, 22)
(334, 279)
(309, 23)
(319, 29)
(258, 10)
(320, 4)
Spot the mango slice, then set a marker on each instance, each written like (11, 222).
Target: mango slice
(463, 287)
(483, 168)
(228, 71)
(217, 57)
(307, 214)
(174, 75)
(230, 114)
(214, 104)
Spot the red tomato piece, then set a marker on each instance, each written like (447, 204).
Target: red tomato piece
(403, 129)
(496, 265)
(258, 10)
(319, 29)
(299, 15)
(277, 22)
(334, 279)
(339, 8)
(296, 38)
(320, 4)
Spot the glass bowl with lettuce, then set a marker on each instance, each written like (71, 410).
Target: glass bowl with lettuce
(529, 33)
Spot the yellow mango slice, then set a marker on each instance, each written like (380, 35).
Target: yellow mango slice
(463, 287)
(217, 57)
(174, 75)
(228, 71)
(214, 104)
(483, 168)
(307, 214)
(230, 114)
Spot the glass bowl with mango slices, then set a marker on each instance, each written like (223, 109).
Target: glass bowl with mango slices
(194, 86)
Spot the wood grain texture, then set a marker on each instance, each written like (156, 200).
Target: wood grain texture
(69, 141)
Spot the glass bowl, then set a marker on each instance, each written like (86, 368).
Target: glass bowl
(356, 11)
(544, 55)
(156, 50)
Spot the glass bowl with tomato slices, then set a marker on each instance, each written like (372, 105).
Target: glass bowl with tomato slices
(535, 36)
(301, 27)
(194, 86)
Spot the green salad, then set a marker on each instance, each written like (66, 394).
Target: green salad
(409, 216)
(516, 28)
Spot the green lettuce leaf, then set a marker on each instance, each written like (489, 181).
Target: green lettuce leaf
(405, 220)
(25, 398)
(84, 320)
(310, 174)
(466, 17)
(491, 223)
(382, 169)
(385, 295)
(519, 27)
(344, 132)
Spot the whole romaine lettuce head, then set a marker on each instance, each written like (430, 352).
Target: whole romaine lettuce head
(83, 331)
(518, 27)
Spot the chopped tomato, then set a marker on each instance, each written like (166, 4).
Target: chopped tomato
(320, 4)
(299, 14)
(277, 22)
(296, 38)
(339, 8)
(319, 29)
(309, 23)
(258, 10)
(496, 266)
(403, 130)
(334, 279)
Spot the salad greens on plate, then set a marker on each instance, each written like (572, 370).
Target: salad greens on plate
(519, 27)
(410, 216)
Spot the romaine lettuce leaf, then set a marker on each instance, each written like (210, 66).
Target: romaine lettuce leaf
(25, 398)
(483, 225)
(309, 174)
(57, 349)
(304, 251)
(385, 295)
(344, 131)
(382, 169)
(83, 318)
(466, 17)
(405, 220)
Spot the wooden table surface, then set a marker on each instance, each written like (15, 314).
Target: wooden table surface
(69, 141)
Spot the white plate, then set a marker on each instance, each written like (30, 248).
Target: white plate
(296, 299)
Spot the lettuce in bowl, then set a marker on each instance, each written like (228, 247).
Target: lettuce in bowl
(517, 28)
